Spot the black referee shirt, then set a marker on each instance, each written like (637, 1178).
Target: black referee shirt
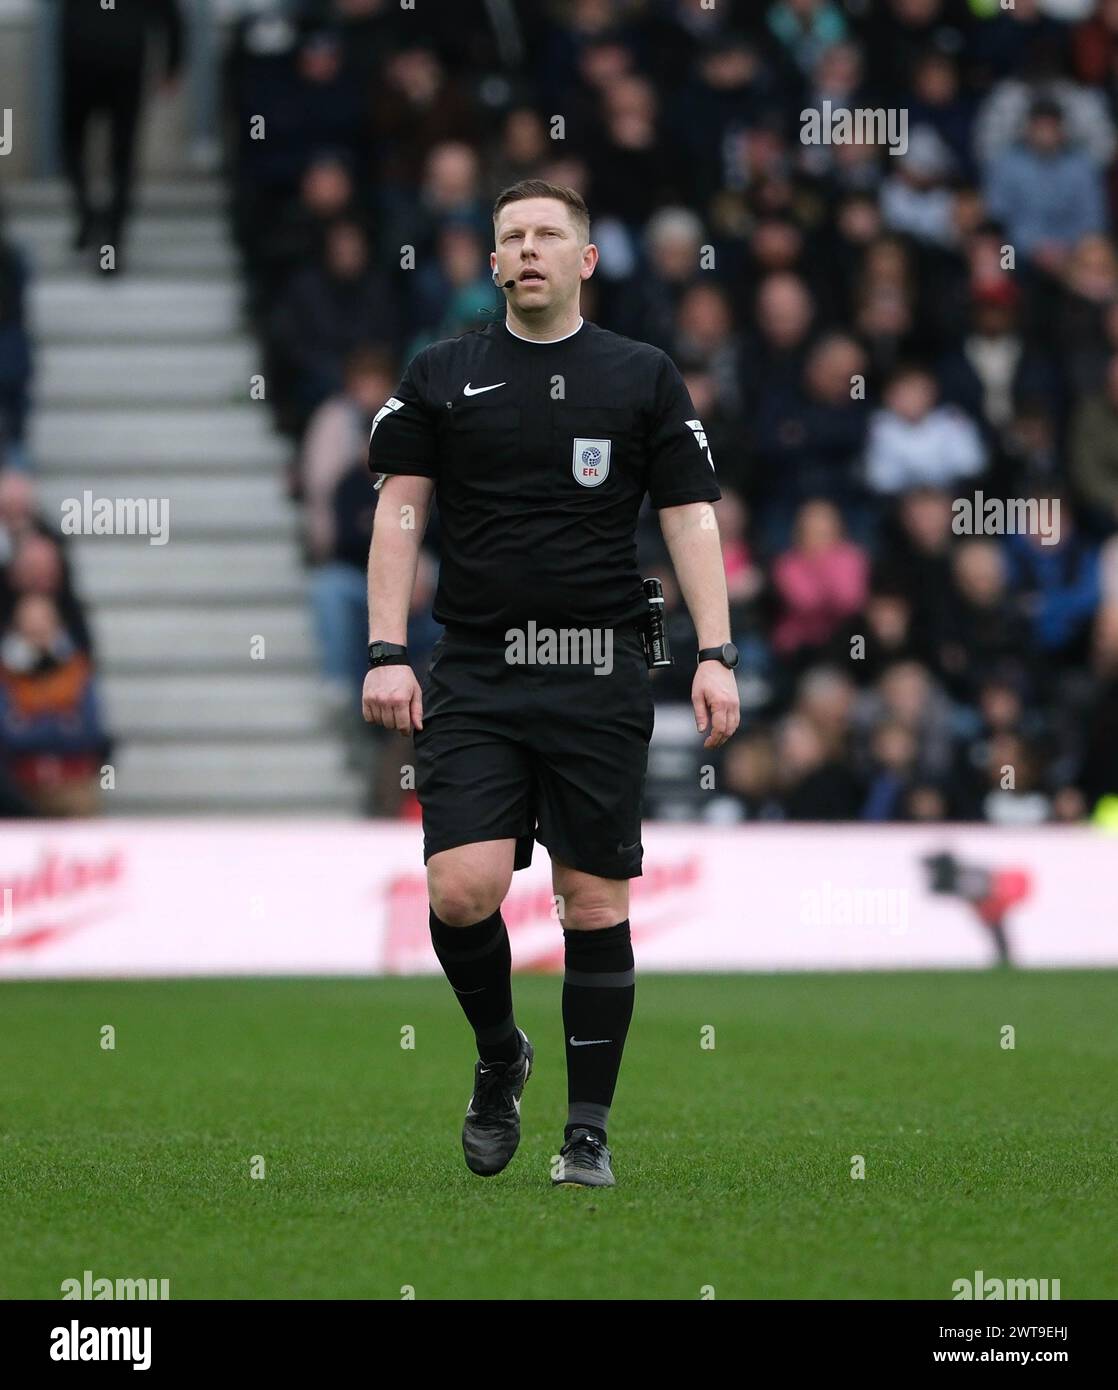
(542, 454)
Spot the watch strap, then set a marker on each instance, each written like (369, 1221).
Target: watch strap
(387, 654)
(714, 654)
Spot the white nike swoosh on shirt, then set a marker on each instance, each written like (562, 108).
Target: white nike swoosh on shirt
(469, 390)
(590, 1042)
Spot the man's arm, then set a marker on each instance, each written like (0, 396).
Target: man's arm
(691, 534)
(398, 527)
(392, 696)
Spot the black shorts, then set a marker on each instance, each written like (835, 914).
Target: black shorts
(554, 753)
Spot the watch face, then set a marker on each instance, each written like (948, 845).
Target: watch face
(729, 654)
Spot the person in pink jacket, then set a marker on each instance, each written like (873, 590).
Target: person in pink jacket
(820, 582)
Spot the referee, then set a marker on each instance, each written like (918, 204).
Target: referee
(540, 436)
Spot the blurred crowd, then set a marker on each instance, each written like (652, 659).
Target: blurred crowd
(869, 335)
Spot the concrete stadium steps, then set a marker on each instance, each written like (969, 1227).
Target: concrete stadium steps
(142, 391)
(135, 308)
(186, 246)
(184, 705)
(130, 571)
(159, 441)
(119, 375)
(182, 194)
(217, 640)
(215, 776)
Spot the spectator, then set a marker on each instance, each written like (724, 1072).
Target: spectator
(104, 55)
(647, 306)
(907, 694)
(1093, 451)
(279, 243)
(914, 559)
(826, 696)
(451, 289)
(705, 333)
(732, 88)
(983, 626)
(913, 442)
(880, 635)
(884, 302)
(329, 311)
(50, 723)
(775, 362)
(751, 776)
(1090, 291)
(1056, 577)
(337, 437)
(522, 149)
(819, 583)
(995, 367)
(416, 107)
(809, 440)
(32, 559)
(813, 785)
(916, 199)
(634, 163)
(938, 102)
(1007, 790)
(892, 763)
(1047, 192)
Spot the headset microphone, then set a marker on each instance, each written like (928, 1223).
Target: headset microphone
(508, 284)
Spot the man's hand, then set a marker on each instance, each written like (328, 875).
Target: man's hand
(715, 689)
(393, 699)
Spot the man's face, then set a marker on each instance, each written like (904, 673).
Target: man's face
(540, 247)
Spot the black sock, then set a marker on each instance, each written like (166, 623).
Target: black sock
(598, 992)
(478, 963)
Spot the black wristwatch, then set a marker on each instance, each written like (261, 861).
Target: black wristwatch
(387, 654)
(727, 653)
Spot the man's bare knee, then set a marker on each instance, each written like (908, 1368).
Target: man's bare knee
(469, 883)
(588, 903)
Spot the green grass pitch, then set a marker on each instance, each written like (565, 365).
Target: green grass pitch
(733, 1163)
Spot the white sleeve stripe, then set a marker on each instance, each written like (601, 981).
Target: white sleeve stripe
(390, 405)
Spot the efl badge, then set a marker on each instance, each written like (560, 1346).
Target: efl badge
(590, 463)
